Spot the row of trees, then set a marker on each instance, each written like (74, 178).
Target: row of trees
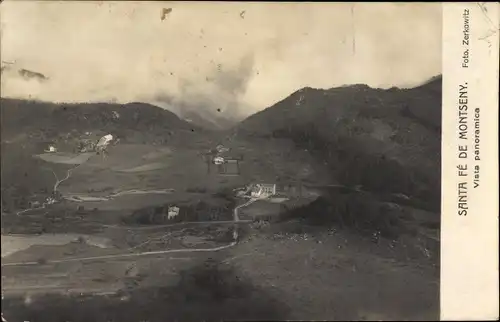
(187, 213)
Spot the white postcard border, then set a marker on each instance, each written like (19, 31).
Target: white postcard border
(469, 226)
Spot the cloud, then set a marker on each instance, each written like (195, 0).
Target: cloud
(218, 98)
(208, 56)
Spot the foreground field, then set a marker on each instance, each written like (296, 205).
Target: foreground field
(273, 274)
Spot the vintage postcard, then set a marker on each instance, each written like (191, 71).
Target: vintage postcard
(222, 161)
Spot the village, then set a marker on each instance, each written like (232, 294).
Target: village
(264, 201)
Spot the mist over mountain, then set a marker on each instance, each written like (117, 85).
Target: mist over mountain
(217, 106)
(222, 66)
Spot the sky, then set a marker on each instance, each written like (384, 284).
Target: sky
(238, 57)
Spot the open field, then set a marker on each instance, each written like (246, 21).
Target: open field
(109, 240)
(13, 244)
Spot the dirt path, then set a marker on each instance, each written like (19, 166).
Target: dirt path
(160, 252)
(56, 185)
(172, 225)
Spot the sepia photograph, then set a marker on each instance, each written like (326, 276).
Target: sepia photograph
(221, 161)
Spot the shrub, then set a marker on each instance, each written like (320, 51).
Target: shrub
(361, 213)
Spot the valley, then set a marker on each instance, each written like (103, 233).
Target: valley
(153, 230)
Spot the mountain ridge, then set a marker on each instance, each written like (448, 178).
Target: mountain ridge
(431, 85)
(38, 116)
(383, 139)
(210, 120)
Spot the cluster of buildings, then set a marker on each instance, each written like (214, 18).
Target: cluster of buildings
(87, 144)
(90, 145)
(276, 190)
(38, 204)
(273, 201)
(262, 190)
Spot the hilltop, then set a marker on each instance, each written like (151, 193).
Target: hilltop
(50, 119)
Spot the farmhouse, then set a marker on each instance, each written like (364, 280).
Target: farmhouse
(263, 190)
(51, 149)
(172, 212)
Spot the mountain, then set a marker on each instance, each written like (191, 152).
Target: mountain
(383, 140)
(47, 121)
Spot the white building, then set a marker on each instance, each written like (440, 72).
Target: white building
(104, 141)
(219, 160)
(51, 149)
(173, 212)
(263, 190)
